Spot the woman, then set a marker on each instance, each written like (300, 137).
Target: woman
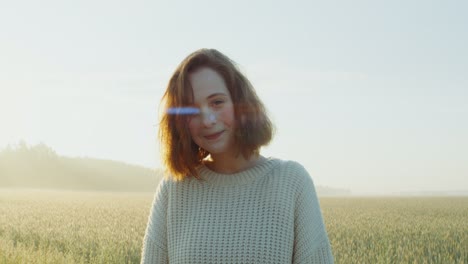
(223, 202)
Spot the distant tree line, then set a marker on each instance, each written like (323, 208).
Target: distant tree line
(39, 166)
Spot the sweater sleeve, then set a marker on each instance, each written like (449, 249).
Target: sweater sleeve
(154, 242)
(311, 243)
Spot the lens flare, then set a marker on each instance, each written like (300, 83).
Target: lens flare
(182, 111)
(212, 117)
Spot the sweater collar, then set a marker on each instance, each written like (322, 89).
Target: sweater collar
(239, 178)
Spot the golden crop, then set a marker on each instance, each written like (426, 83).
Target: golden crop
(80, 227)
(398, 230)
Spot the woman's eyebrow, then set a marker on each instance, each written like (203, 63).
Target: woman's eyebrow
(216, 94)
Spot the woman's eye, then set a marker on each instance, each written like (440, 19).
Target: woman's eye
(218, 102)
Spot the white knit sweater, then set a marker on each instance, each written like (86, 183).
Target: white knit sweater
(267, 214)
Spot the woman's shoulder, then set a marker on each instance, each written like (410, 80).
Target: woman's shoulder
(291, 170)
(165, 183)
(291, 180)
(291, 167)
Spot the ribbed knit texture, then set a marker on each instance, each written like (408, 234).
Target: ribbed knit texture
(267, 214)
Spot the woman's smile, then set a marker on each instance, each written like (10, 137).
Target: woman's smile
(214, 136)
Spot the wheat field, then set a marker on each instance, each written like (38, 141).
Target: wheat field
(87, 227)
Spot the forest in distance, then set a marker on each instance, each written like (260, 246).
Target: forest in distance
(40, 167)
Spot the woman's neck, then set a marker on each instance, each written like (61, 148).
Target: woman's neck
(232, 164)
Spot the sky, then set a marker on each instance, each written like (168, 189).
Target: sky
(369, 96)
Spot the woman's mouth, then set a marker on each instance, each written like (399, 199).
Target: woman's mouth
(214, 136)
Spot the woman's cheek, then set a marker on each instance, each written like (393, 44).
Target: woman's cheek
(192, 125)
(227, 115)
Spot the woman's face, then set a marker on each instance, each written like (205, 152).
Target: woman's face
(213, 127)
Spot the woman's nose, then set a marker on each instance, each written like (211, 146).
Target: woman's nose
(209, 118)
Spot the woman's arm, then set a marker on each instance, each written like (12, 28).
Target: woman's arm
(311, 243)
(155, 239)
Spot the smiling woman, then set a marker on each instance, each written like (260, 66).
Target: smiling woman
(204, 88)
(221, 201)
(213, 128)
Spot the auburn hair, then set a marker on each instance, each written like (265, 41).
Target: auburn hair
(181, 156)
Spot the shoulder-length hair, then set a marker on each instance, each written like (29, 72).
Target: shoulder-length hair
(253, 129)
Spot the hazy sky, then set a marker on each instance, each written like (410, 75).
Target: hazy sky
(367, 95)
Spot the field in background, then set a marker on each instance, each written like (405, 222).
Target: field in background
(80, 227)
(398, 230)
(72, 227)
